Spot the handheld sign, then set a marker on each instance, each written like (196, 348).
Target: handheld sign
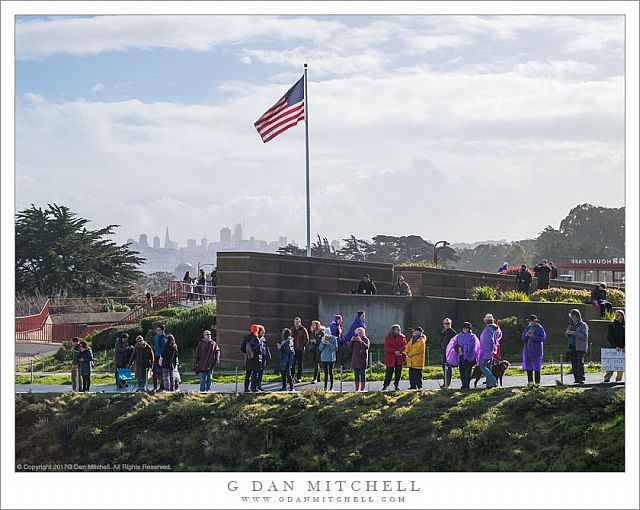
(612, 360)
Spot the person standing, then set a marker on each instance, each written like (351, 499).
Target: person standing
(533, 337)
(524, 279)
(206, 355)
(360, 359)
(266, 354)
(187, 286)
(328, 347)
(577, 334)
(286, 358)
(143, 356)
(366, 286)
(336, 327)
(300, 340)
(554, 270)
(251, 348)
(76, 382)
(168, 362)
(344, 345)
(446, 334)
(466, 345)
(159, 340)
(121, 355)
(415, 358)
(316, 334)
(615, 337)
(395, 356)
(488, 347)
(542, 272)
(86, 364)
(401, 287)
(201, 283)
(599, 299)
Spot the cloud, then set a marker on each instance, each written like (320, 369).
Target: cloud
(98, 87)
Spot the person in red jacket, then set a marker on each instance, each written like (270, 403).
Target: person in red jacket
(394, 356)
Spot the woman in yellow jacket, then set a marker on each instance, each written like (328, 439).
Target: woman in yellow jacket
(416, 347)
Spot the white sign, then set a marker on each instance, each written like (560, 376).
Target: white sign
(612, 359)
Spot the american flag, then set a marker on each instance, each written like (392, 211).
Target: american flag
(286, 113)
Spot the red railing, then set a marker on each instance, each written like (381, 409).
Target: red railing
(60, 305)
(58, 333)
(33, 322)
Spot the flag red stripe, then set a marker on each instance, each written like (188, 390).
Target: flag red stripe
(267, 123)
(271, 127)
(273, 135)
(272, 111)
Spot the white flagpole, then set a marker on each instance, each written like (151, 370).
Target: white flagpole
(306, 130)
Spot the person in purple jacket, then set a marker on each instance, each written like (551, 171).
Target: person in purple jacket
(360, 360)
(533, 337)
(467, 346)
(489, 339)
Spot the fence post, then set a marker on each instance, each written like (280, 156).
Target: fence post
(341, 378)
(31, 365)
(428, 363)
(370, 369)
(236, 380)
(561, 370)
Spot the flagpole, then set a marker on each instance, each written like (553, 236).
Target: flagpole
(306, 131)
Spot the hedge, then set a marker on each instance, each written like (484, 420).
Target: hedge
(105, 338)
(187, 326)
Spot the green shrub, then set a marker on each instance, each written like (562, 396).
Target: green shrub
(105, 338)
(109, 305)
(484, 293)
(121, 308)
(560, 295)
(187, 326)
(171, 311)
(151, 322)
(64, 353)
(616, 297)
(512, 328)
(513, 295)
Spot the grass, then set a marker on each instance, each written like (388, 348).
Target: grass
(508, 429)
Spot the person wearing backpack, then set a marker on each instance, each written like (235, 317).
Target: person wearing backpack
(251, 347)
(285, 360)
(206, 355)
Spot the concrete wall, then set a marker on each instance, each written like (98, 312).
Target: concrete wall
(456, 283)
(272, 289)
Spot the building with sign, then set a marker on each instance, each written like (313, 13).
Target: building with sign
(594, 270)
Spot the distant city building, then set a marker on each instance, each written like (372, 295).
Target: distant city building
(156, 242)
(167, 242)
(282, 241)
(191, 244)
(142, 241)
(237, 234)
(204, 243)
(225, 235)
(182, 268)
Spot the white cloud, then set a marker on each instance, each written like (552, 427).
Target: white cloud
(98, 87)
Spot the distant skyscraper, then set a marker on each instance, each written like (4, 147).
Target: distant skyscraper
(237, 234)
(156, 242)
(191, 244)
(204, 243)
(225, 235)
(282, 241)
(167, 242)
(142, 241)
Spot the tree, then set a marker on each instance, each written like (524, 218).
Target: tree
(57, 255)
(322, 248)
(154, 282)
(290, 249)
(356, 249)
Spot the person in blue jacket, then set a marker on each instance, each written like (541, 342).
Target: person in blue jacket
(328, 348)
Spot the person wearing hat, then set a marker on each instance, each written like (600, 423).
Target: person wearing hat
(415, 358)
(446, 334)
(533, 337)
(524, 279)
(489, 341)
(467, 345)
(395, 345)
(328, 347)
(251, 347)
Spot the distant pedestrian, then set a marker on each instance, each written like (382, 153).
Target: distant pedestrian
(251, 347)
(143, 356)
(446, 334)
(168, 362)
(149, 302)
(206, 356)
(524, 279)
(121, 355)
(366, 286)
(533, 337)
(615, 337)
(466, 346)
(76, 381)
(542, 272)
(86, 364)
(214, 281)
(554, 270)
(344, 345)
(360, 359)
(316, 334)
(503, 267)
(336, 327)
(489, 339)
(266, 354)
(415, 358)
(187, 286)
(599, 299)
(395, 356)
(201, 283)
(159, 340)
(286, 358)
(401, 287)
(577, 334)
(300, 340)
(328, 347)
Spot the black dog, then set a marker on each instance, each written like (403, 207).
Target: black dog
(498, 370)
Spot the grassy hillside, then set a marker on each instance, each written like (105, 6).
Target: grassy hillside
(538, 429)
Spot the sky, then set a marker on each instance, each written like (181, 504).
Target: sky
(449, 127)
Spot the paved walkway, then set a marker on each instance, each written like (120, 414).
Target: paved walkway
(431, 384)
